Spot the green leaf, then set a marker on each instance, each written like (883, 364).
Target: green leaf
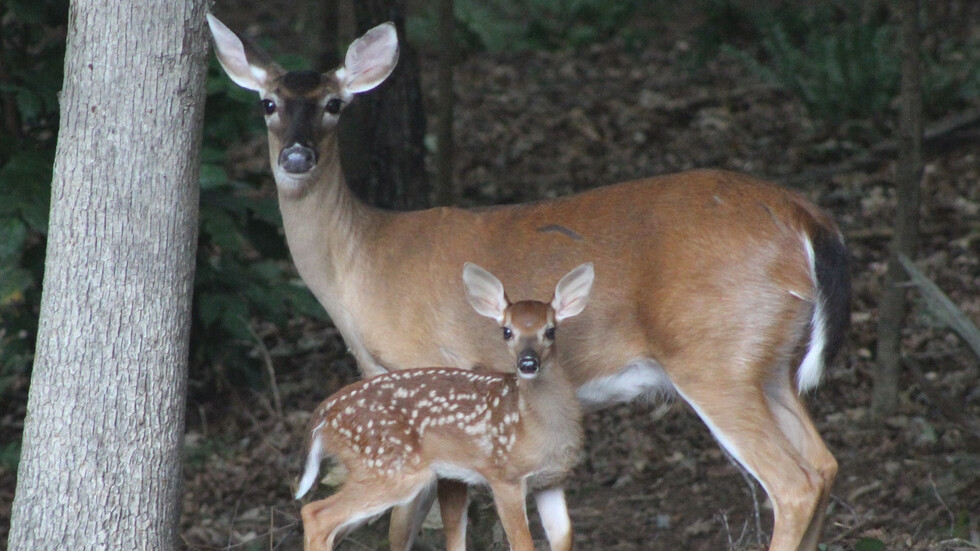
(302, 300)
(13, 234)
(227, 310)
(13, 283)
(10, 456)
(222, 230)
(25, 185)
(212, 176)
(869, 544)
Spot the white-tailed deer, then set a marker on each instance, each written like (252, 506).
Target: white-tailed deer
(728, 291)
(397, 432)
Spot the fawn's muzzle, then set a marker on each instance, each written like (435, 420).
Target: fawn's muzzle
(528, 363)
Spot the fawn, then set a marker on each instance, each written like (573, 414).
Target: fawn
(397, 433)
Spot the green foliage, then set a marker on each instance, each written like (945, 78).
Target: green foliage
(725, 23)
(843, 63)
(843, 67)
(243, 271)
(517, 25)
(32, 52)
(10, 456)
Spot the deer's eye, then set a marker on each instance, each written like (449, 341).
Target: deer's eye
(549, 333)
(268, 106)
(508, 334)
(334, 105)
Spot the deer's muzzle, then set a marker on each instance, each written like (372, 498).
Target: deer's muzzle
(297, 159)
(528, 363)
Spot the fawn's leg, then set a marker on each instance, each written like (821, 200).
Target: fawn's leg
(509, 499)
(327, 520)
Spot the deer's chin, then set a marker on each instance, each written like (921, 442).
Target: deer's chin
(530, 374)
(290, 184)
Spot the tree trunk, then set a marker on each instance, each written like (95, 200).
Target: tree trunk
(318, 22)
(101, 460)
(447, 193)
(908, 179)
(382, 133)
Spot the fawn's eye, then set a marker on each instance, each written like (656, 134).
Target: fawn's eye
(549, 333)
(508, 334)
(268, 106)
(334, 105)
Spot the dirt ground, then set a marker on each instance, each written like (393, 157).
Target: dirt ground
(546, 124)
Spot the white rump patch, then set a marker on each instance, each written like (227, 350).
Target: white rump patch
(811, 368)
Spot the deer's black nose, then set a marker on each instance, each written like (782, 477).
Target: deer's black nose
(528, 362)
(297, 159)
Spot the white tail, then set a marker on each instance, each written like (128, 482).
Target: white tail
(732, 292)
(398, 432)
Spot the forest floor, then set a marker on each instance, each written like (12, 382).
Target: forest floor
(545, 124)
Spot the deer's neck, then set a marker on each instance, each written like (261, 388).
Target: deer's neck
(549, 399)
(551, 413)
(325, 225)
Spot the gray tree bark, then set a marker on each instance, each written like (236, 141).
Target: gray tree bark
(908, 179)
(101, 460)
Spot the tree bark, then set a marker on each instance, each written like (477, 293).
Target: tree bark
(101, 460)
(908, 179)
(382, 132)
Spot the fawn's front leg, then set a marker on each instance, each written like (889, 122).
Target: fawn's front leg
(509, 499)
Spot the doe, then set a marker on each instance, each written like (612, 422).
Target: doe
(726, 291)
(397, 433)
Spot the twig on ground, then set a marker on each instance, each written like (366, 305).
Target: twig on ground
(231, 525)
(755, 497)
(270, 368)
(940, 306)
(935, 492)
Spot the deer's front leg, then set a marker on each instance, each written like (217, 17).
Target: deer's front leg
(406, 521)
(554, 517)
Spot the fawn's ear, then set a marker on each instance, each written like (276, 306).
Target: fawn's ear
(485, 292)
(246, 64)
(572, 292)
(370, 59)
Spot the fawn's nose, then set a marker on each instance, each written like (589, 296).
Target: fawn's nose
(528, 363)
(297, 159)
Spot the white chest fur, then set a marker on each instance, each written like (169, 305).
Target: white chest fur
(642, 377)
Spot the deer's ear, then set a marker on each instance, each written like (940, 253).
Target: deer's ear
(572, 292)
(485, 292)
(244, 62)
(370, 59)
